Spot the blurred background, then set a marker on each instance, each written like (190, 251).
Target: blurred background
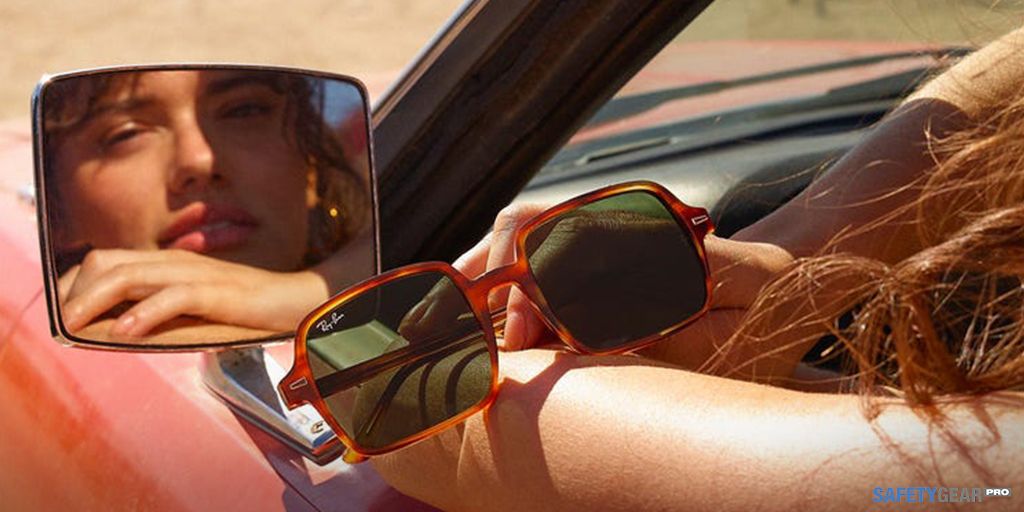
(371, 39)
(375, 39)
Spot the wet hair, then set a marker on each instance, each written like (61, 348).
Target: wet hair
(343, 194)
(946, 321)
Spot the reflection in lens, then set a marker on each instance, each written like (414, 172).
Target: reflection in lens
(617, 270)
(399, 359)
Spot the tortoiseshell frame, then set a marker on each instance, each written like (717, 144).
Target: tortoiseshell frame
(298, 386)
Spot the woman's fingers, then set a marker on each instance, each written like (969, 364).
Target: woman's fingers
(98, 263)
(124, 282)
(108, 278)
(164, 305)
(170, 283)
(523, 326)
(96, 291)
(473, 263)
(199, 293)
(498, 248)
(66, 282)
(503, 239)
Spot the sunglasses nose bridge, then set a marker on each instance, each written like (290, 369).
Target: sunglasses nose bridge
(508, 274)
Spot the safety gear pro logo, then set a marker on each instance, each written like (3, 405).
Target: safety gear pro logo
(938, 494)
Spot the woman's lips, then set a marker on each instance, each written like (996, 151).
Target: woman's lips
(210, 238)
(205, 228)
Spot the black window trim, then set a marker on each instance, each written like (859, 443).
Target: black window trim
(491, 99)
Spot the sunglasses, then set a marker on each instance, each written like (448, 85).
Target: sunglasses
(408, 353)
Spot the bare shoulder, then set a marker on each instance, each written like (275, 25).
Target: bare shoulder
(982, 79)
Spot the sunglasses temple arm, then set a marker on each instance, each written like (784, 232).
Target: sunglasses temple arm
(385, 400)
(394, 384)
(339, 381)
(351, 456)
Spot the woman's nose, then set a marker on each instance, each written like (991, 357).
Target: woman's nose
(194, 162)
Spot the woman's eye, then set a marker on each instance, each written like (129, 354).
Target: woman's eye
(120, 136)
(246, 110)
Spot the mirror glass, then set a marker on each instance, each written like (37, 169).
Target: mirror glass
(200, 206)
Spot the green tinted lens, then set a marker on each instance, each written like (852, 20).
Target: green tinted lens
(617, 270)
(400, 359)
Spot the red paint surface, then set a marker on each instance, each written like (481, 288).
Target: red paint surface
(92, 430)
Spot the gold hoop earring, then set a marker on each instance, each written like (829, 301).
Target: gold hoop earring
(327, 222)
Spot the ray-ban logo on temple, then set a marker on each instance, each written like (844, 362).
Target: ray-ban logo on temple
(327, 325)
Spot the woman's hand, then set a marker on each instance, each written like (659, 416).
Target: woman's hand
(739, 270)
(144, 289)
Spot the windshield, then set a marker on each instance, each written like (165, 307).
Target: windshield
(810, 76)
(749, 46)
(763, 95)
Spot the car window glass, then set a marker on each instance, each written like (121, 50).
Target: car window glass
(745, 69)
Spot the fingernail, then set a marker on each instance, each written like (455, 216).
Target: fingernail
(71, 319)
(460, 262)
(124, 325)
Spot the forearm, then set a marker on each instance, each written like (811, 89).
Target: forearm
(560, 438)
(572, 432)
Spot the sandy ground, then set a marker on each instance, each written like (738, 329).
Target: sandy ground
(375, 39)
(367, 38)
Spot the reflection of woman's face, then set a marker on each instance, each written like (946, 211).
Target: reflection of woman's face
(197, 160)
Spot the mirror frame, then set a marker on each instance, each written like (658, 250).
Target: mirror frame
(48, 259)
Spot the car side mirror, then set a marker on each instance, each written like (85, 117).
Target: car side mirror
(187, 207)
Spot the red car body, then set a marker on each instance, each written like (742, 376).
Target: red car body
(95, 430)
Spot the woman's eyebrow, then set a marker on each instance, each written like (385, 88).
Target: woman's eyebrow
(113, 107)
(233, 82)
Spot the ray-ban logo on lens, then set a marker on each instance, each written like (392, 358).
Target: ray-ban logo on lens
(327, 324)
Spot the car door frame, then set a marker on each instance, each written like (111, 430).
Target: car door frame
(494, 96)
